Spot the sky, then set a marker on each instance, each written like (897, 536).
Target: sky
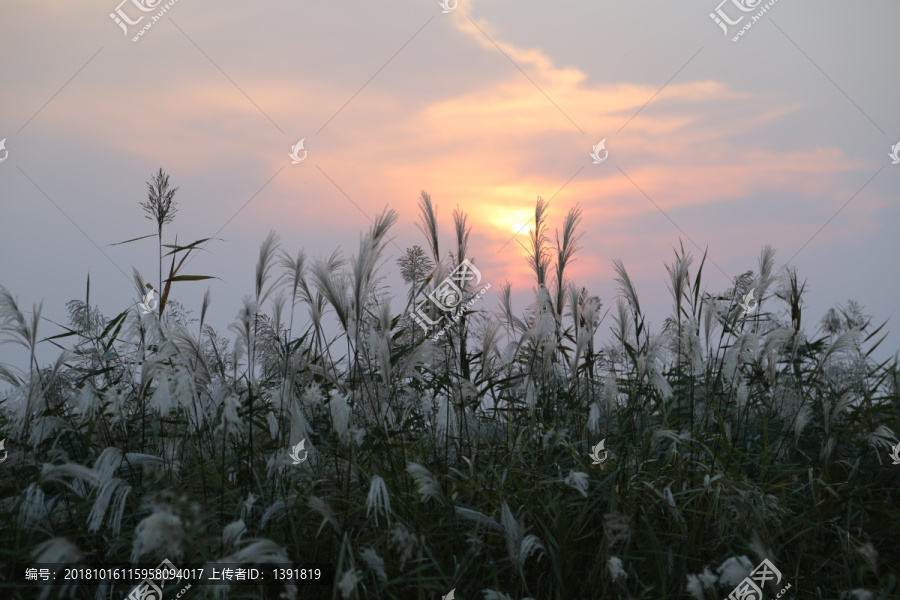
(782, 137)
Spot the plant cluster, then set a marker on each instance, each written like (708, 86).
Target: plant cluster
(463, 462)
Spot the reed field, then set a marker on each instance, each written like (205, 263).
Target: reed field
(458, 461)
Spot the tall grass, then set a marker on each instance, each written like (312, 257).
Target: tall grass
(463, 462)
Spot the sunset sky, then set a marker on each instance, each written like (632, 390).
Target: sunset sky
(486, 108)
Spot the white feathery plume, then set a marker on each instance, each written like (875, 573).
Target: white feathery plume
(58, 551)
(33, 508)
(883, 436)
(160, 533)
(616, 569)
(379, 500)
(231, 421)
(405, 543)
(611, 391)
(530, 396)
(111, 495)
(186, 392)
(272, 421)
(231, 535)
(115, 407)
(518, 545)
(445, 417)
(777, 340)
(321, 506)
(803, 417)
(72, 475)
(300, 428)
(108, 463)
(44, 427)
(259, 551)
(88, 402)
(478, 517)
(672, 507)
(734, 570)
(340, 416)
(429, 488)
(742, 394)
(869, 553)
(162, 401)
(846, 344)
(578, 481)
(262, 551)
(312, 396)
(277, 509)
(698, 584)
(374, 562)
(827, 448)
(348, 581)
(593, 422)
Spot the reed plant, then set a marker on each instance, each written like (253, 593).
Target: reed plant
(460, 461)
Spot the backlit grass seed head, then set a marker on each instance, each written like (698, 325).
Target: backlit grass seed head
(110, 500)
(379, 500)
(88, 403)
(616, 569)
(429, 488)
(374, 562)
(231, 422)
(445, 418)
(348, 581)
(405, 543)
(231, 535)
(325, 511)
(59, 551)
(699, 585)
(312, 396)
(340, 416)
(578, 481)
(593, 422)
(882, 438)
(159, 535)
(519, 546)
(734, 570)
(33, 508)
(261, 551)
